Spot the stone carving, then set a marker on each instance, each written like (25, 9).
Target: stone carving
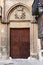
(20, 14)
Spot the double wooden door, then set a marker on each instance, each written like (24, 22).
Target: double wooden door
(20, 42)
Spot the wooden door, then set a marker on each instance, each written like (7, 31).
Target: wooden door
(19, 43)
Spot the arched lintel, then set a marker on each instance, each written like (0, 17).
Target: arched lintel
(15, 5)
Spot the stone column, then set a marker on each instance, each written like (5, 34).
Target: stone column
(4, 40)
(0, 44)
(34, 37)
(31, 39)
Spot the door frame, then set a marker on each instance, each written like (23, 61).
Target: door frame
(22, 25)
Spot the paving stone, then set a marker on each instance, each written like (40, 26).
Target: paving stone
(30, 61)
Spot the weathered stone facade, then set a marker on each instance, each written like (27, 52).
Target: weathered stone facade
(8, 20)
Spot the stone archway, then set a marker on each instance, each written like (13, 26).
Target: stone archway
(9, 12)
(20, 23)
(14, 23)
(23, 21)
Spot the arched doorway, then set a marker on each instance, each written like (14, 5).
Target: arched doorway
(19, 29)
(19, 21)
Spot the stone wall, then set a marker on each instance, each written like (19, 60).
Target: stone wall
(5, 28)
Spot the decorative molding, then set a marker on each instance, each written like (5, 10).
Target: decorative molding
(0, 11)
(19, 21)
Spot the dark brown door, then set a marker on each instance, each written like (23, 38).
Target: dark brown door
(19, 43)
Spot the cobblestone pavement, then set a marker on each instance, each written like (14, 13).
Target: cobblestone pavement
(20, 62)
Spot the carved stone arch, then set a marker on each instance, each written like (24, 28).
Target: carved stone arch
(13, 8)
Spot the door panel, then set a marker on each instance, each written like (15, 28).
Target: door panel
(20, 43)
(14, 40)
(24, 43)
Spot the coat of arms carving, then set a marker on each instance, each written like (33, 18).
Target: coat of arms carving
(20, 14)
